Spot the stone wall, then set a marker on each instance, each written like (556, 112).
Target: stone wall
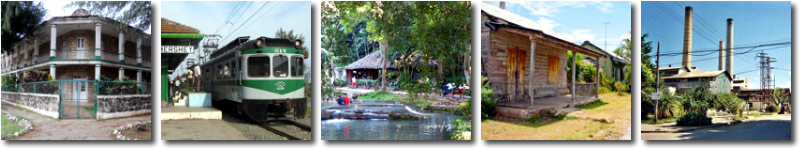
(586, 89)
(117, 106)
(45, 104)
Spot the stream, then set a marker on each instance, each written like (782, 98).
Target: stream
(431, 125)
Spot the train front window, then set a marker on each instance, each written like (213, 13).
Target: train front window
(297, 66)
(258, 66)
(280, 66)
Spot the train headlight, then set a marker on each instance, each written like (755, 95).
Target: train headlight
(298, 44)
(260, 43)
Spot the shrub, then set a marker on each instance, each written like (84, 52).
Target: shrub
(694, 119)
(729, 102)
(339, 82)
(621, 87)
(772, 108)
(487, 102)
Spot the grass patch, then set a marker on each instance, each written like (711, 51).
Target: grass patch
(384, 95)
(660, 120)
(591, 105)
(9, 127)
(91, 109)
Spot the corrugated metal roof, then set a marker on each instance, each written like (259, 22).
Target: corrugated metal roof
(509, 16)
(696, 74)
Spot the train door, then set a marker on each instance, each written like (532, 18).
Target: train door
(237, 77)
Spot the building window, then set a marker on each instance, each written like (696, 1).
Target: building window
(552, 69)
(81, 43)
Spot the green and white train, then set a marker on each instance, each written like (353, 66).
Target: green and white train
(263, 76)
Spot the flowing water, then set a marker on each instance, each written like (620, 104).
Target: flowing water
(434, 125)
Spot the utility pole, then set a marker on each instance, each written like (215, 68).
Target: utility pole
(606, 44)
(658, 75)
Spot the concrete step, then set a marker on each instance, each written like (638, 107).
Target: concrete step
(184, 113)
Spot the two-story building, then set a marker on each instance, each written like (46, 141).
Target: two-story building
(76, 51)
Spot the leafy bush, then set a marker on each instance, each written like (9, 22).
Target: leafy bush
(729, 102)
(339, 82)
(694, 119)
(487, 102)
(668, 106)
(772, 108)
(621, 87)
(367, 82)
(116, 87)
(39, 76)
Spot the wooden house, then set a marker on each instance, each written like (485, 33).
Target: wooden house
(527, 67)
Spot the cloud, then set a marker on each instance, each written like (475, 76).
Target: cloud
(550, 8)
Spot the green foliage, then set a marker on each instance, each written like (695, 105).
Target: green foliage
(669, 106)
(10, 79)
(779, 97)
(291, 36)
(591, 105)
(699, 99)
(378, 95)
(19, 19)
(367, 82)
(117, 87)
(135, 13)
(402, 31)
(694, 119)
(621, 87)
(462, 129)
(729, 102)
(487, 102)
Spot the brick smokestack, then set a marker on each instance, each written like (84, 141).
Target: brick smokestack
(729, 47)
(721, 57)
(687, 38)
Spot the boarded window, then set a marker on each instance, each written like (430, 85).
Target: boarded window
(552, 69)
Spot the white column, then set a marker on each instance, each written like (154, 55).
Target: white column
(35, 50)
(572, 92)
(139, 52)
(24, 53)
(53, 42)
(139, 75)
(98, 47)
(97, 72)
(531, 68)
(121, 73)
(53, 71)
(121, 40)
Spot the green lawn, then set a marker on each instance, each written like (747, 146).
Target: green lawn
(9, 127)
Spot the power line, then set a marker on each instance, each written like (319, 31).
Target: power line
(717, 49)
(248, 19)
(739, 53)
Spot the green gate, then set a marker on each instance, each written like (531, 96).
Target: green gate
(78, 99)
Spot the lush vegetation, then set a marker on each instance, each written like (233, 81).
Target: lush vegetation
(136, 13)
(487, 102)
(19, 20)
(694, 119)
(411, 36)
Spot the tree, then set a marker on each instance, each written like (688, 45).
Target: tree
(19, 20)
(136, 13)
(291, 36)
(426, 31)
(624, 50)
(779, 97)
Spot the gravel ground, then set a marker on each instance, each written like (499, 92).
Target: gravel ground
(249, 129)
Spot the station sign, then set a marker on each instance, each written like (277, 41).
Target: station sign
(178, 49)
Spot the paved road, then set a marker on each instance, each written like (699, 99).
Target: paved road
(776, 127)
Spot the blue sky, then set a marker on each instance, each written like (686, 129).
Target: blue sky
(209, 17)
(754, 23)
(577, 21)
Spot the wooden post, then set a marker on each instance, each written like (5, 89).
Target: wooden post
(597, 77)
(531, 69)
(658, 74)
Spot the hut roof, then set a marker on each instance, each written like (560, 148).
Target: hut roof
(373, 60)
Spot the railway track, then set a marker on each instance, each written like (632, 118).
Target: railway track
(289, 129)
